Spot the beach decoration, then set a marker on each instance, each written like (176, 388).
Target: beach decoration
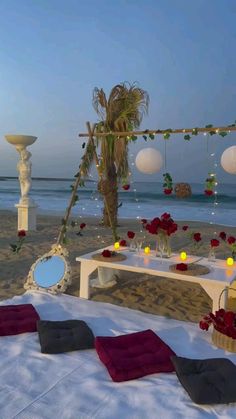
(26, 206)
(182, 190)
(183, 256)
(228, 160)
(229, 261)
(210, 184)
(51, 272)
(168, 184)
(149, 161)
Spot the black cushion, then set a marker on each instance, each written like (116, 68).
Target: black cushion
(207, 381)
(64, 336)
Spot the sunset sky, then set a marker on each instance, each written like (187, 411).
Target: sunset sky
(54, 52)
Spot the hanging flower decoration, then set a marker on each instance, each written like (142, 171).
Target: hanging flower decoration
(210, 184)
(16, 247)
(168, 184)
(126, 187)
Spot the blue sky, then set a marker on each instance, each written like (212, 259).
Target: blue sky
(53, 53)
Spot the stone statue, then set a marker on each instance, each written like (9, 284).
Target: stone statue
(24, 169)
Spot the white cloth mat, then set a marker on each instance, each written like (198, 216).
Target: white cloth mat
(76, 385)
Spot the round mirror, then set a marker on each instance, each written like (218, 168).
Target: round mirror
(51, 272)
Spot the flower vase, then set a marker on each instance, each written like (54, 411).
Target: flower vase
(211, 256)
(132, 246)
(164, 245)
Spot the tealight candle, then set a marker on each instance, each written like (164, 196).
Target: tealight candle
(146, 250)
(183, 255)
(116, 245)
(230, 261)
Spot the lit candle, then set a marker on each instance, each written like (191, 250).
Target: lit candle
(147, 250)
(183, 255)
(116, 245)
(230, 261)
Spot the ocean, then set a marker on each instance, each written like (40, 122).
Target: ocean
(143, 200)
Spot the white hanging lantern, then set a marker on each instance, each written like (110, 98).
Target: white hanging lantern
(228, 160)
(149, 161)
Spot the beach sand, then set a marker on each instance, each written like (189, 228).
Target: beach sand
(177, 299)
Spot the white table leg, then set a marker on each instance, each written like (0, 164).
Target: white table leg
(214, 292)
(86, 268)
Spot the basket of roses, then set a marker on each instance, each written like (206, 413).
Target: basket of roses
(224, 326)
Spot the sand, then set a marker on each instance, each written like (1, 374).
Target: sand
(177, 299)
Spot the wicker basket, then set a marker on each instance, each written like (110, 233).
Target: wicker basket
(219, 339)
(224, 342)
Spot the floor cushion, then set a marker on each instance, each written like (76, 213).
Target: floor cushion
(134, 355)
(16, 319)
(63, 336)
(207, 381)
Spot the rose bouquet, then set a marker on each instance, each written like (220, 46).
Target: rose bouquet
(230, 241)
(163, 227)
(223, 321)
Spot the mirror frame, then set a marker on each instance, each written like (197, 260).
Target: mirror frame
(60, 286)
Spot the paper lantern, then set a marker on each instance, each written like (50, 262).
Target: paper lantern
(149, 161)
(228, 160)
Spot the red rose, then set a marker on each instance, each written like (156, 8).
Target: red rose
(215, 243)
(122, 243)
(229, 318)
(106, 253)
(222, 235)
(126, 187)
(130, 234)
(185, 228)
(181, 267)
(203, 325)
(231, 240)
(208, 192)
(143, 221)
(21, 233)
(197, 237)
(166, 216)
(151, 228)
(82, 225)
(168, 191)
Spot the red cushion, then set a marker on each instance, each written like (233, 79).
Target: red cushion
(134, 355)
(16, 319)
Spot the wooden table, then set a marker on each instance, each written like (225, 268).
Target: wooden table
(220, 276)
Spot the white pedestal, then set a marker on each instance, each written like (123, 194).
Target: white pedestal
(27, 216)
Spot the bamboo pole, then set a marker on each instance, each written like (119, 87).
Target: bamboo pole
(162, 131)
(68, 210)
(91, 135)
(71, 203)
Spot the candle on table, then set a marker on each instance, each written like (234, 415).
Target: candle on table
(147, 250)
(230, 261)
(183, 255)
(116, 245)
